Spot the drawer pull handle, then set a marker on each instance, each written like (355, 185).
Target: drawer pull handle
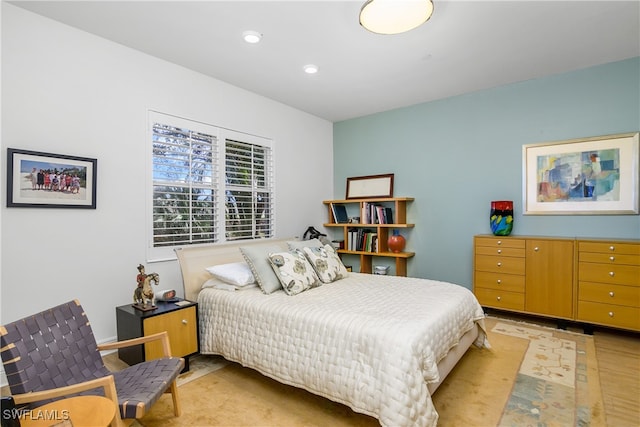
(611, 314)
(499, 251)
(184, 321)
(499, 264)
(611, 294)
(611, 273)
(499, 242)
(499, 281)
(499, 298)
(612, 248)
(536, 249)
(612, 258)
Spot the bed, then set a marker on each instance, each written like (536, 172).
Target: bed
(378, 344)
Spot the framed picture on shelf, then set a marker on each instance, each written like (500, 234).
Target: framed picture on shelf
(590, 176)
(371, 186)
(47, 180)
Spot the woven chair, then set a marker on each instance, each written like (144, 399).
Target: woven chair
(53, 354)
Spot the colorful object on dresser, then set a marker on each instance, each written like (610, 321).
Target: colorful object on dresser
(501, 217)
(396, 242)
(143, 297)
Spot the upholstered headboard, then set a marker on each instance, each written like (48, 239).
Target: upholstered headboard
(194, 260)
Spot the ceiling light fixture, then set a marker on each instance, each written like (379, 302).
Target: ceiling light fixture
(310, 69)
(251, 36)
(394, 16)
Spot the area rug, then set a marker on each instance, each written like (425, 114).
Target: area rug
(552, 385)
(532, 376)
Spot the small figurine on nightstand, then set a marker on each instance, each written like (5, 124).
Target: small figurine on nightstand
(143, 297)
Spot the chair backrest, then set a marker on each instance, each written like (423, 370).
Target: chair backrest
(50, 349)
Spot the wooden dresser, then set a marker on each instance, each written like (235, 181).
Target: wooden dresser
(593, 281)
(609, 283)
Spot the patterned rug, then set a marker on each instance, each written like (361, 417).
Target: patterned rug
(552, 385)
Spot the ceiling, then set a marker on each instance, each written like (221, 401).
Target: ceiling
(466, 46)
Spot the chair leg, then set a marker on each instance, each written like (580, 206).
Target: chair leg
(177, 410)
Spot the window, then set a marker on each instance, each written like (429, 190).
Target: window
(208, 185)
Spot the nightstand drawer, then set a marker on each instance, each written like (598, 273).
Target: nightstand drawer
(500, 264)
(182, 329)
(500, 299)
(609, 315)
(500, 281)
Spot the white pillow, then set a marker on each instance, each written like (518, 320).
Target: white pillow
(219, 284)
(235, 273)
(212, 283)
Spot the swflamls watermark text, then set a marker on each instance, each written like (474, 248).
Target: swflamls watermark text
(35, 414)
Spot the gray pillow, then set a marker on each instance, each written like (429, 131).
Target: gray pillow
(258, 259)
(300, 244)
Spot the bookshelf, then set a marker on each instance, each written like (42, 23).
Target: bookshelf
(356, 208)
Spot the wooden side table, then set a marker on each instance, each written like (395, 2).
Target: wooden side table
(179, 319)
(78, 411)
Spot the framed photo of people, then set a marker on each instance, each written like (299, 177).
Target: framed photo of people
(47, 180)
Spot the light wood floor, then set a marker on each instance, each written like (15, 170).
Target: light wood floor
(618, 354)
(619, 364)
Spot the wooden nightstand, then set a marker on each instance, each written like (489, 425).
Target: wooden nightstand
(180, 322)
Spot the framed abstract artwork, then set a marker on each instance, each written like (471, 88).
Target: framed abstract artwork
(47, 180)
(589, 176)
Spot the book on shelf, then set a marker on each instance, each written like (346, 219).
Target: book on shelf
(363, 240)
(373, 213)
(388, 216)
(339, 213)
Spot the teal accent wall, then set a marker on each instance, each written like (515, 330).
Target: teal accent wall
(457, 154)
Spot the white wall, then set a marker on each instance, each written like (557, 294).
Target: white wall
(66, 91)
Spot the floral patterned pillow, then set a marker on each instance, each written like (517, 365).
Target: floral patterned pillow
(294, 271)
(326, 263)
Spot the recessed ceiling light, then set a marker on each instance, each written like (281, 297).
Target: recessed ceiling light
(394, 17)
(310, 69)
(251, 36)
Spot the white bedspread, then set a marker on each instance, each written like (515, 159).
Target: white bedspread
(371, 342)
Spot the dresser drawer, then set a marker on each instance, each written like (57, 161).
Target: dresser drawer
(605, 273)
(498, 251)
(500, 281)
(500, 299)
(500, 242)
(613, 259)
(609, 315)
(609, 294)
(500, 264)
(610, 248)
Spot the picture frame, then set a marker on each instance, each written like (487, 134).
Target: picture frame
(370, 186)
(47, 180)
(587, 176)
